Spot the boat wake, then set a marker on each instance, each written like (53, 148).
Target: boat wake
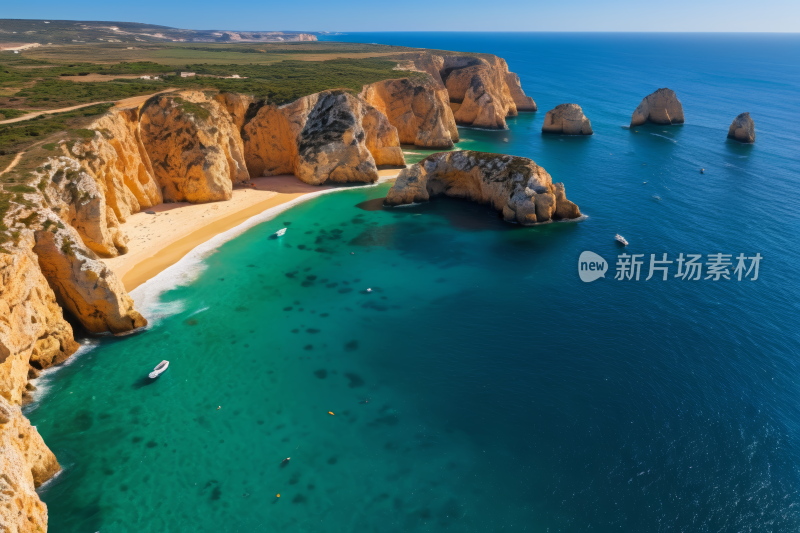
(664, 137)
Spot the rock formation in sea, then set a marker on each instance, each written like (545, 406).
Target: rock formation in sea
(515, 186)
(660, 107)
(567, 119)
(194, 146)
(743, 129)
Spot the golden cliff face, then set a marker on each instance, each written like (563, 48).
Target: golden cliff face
(330, 136)
(118, 161)
(25, 463)
(270, 143)
(419, 109)
(481, 87)
(33, 336)
(236, 105)
(33, 332)
(80, 200)
(195, 147)
(381, 138)
(83, 284)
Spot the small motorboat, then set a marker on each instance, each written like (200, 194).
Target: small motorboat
(620, 239)
(280, 232)
(158, 370)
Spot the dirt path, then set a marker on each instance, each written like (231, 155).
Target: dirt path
(13, 163)
(125, 102)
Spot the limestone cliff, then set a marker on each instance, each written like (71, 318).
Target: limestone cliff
(25, 463)
(515, 186)
(80, 200)
(660, 107)
(33, 336)
(84, 285)
(32, 327)
(567, 119)
(418, 108)
(482, 86)
(330, 136)
(236, 105)
(381, 139)
(270, 143)
(194, 145)
(743, 129)
(118, 161)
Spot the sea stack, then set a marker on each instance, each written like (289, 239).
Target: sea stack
(660, 107)
(743, 129)
(515, 186)
(567, 119)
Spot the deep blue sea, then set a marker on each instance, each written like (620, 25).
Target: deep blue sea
(480, 385)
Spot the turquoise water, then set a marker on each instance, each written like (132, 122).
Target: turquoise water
(480, 385)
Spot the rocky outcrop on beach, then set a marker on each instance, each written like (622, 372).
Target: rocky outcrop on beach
(83, 284)
(418, 108)
(567, 119)
(660, 107)
(331, 146)
(743, 129)
(327, 137)
(481, 86)
(194, 145)
(518, 188)
(381, 139)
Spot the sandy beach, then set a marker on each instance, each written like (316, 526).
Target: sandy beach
(157, 241)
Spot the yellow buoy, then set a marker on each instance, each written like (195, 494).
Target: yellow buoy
(279, 495)
(331, 413)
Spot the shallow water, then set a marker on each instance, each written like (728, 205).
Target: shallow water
(480, 385)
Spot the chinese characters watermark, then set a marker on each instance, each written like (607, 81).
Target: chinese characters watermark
(690, 267)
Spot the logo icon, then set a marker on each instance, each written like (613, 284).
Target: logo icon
(591, 266)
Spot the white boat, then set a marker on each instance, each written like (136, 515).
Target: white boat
(159, 369)
(280, 232)
(621, 239)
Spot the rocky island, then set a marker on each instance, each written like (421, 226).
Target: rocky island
(567, 119)
(743, 129)
(518, 188)
(660, 107)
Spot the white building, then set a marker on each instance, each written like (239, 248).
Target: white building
(187, 74)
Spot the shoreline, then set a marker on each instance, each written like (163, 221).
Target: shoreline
(161, 240)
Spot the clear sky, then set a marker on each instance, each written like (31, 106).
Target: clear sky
(431, 15)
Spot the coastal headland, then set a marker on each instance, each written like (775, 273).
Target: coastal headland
(100, 198)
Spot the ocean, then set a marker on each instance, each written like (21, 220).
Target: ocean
(431, 368)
